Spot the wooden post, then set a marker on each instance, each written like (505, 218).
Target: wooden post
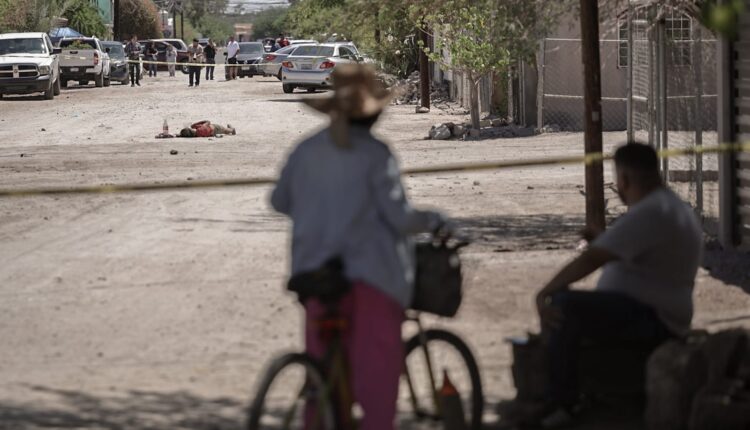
(424, 70)
(593, 113)
(182, 25)
(116, 20)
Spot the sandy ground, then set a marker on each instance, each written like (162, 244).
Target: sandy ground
(159, 310)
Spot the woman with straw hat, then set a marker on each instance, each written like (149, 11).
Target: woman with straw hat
(342, 189)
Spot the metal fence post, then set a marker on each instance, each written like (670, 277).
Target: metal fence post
(540, 85)
(629, 102)
(698, 120)
(662, 80)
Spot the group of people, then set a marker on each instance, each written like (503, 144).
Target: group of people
(197, 57)
(342, 190)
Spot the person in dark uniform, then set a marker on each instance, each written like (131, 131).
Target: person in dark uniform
(152, 55)
(133, 51)
(209, 53)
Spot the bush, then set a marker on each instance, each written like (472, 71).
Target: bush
(85, 18)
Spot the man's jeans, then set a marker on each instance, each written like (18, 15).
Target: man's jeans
(135, 73)
(195, 73)
(603, 318)
(210, 69)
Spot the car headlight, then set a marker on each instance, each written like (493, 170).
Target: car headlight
(44, 70)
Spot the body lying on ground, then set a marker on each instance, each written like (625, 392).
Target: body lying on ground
(206, 129)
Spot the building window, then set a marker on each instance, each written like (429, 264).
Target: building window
(679, 31)
(622, 46)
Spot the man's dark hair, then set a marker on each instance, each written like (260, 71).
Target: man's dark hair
(640, 159)
(195, 40)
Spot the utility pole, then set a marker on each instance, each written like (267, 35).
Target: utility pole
(593, 114)
(424, 69)
(116, 20)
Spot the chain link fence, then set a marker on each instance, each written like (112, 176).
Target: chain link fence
(673, 100)
(658, 77)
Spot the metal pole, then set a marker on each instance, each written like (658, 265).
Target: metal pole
(727, 168)
(182, 25)
(698, 107)
(662, 38)
(653, 137)
(629, 107)
(424, 73)
(116, 20)
(540, 86)
(593, 113)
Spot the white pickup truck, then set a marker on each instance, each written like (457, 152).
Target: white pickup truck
(84, 59)
(28, 64)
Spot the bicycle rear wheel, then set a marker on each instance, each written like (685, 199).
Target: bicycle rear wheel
(293, 391)
(421, 382)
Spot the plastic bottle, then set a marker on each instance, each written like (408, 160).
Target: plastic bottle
(165, 127)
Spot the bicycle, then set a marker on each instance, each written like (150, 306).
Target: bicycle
(324, 400)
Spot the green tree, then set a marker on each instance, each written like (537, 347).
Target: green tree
(85, 18)
(269, 22)
(141, 18)
(197, 10)
(486, 36)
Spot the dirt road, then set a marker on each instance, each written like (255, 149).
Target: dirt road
(159, 310)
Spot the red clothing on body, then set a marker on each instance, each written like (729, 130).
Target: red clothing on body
(203, 129)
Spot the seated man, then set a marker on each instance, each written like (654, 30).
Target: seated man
(206, 129)
(650, 257)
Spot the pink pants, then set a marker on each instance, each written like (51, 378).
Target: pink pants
(374, 347)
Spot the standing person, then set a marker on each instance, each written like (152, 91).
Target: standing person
(195, 52)
(650, 257)
(171, 58)
(233, 48)
(133, 51)
(152, 55)
(210, 53)
(342, 190)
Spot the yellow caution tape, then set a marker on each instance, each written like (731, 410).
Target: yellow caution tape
(494, 165)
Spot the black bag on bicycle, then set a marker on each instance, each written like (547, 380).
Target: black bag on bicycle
(437, 287)
(328, 284)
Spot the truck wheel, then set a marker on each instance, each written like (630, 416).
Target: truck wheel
(184, 67)
(57, 87)
(288, 89)
(50, 93)
(107, 82)
(99, 80)
(64, 83)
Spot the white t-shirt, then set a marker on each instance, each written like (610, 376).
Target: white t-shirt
(659, 242)
(232, 49)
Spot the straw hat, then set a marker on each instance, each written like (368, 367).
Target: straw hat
(357, 94)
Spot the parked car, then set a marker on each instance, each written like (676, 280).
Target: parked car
(271, 63)
(118, 62)
(310, 66)
(84, 59)
(161, 48)
(251, 53)
(29, 64)
(203, 41)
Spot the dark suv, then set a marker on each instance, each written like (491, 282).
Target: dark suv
(161, 48)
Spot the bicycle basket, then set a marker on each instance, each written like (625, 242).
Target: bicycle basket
(437, 288)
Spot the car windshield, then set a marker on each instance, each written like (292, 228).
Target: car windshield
(251, 48)
(180, 45)
(22, 46)
(314, 51)
(115, 50)
(78, 44)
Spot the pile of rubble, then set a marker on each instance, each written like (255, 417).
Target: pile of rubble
(410, 92)
(490, 128)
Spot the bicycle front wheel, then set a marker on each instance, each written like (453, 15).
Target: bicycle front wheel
(428, 355)
(292, 395)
